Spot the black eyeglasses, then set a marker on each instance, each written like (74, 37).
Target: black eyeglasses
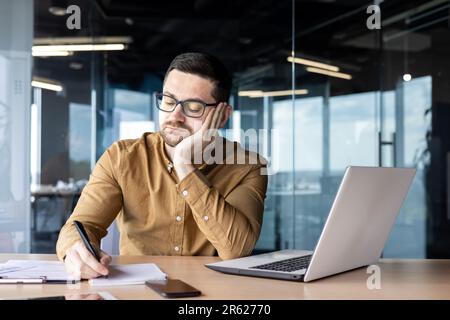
(192, 108)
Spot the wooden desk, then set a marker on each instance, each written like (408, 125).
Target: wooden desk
(400, 279)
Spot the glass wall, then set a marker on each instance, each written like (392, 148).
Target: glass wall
(63, 133)
(378, 101)
(318, 83)
(16, 34)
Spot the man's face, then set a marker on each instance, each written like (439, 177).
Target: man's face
(176, 126)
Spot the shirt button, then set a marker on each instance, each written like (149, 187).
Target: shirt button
(185, 193)
(177, 248)
(178, 218)
(206, 218)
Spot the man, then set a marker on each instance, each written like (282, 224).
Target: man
(165, 203)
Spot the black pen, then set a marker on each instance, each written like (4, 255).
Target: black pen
(85, 239)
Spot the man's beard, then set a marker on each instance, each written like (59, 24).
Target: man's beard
(172, 139)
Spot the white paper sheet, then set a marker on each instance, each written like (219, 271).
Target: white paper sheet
(52, 270)
(129, 274)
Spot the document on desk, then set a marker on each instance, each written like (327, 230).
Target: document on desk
(50, 270)
(130, 274)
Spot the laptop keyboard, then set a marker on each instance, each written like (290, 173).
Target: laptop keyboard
(288, 265)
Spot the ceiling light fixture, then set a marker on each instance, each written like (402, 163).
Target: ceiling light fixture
(330, 73)
(79, 47)
(76, 65)
(407, 77)
(279, 93)
(46, 84)
(57, 11)
(81, 40)
(51, 54)
(58, 7)
(312, 63)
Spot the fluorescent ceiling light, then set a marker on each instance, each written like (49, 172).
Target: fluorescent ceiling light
(79, 47)
(312, 63)
(249, 93)
(46, 84)
(51, 53)
(81, 40)
(330, 73)
(57, 11)
(260, 93)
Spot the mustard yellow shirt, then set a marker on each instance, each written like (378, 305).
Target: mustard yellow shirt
(216, 209)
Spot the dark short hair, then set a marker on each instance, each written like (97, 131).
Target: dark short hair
(206, 66)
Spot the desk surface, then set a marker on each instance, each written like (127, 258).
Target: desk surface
(400, 279)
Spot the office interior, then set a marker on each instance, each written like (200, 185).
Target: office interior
(325, 89)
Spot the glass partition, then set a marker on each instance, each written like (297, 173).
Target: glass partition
(381, 87)
(318, 86)
(63, 130)
(16, 34)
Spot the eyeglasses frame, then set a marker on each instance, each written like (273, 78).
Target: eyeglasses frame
(180, 102)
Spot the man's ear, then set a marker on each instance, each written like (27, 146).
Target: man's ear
(226, 115)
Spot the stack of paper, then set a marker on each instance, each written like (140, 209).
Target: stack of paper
(129, 274)
(51, 270)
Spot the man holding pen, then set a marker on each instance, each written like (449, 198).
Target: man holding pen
(164, 201)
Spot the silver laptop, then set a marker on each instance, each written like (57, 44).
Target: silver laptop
(358, 225)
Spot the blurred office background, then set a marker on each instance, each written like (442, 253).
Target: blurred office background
(372, 97)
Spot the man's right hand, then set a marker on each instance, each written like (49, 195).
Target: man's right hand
(80, 263)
